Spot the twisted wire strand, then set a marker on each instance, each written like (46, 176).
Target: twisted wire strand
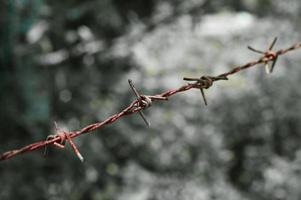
(202, 83)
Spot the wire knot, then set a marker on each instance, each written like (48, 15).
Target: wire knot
(268, 55)
(63, 135)
(271, 54)
(206, 82)
(145, 101)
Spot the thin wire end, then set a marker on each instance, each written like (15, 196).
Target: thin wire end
(81, 158)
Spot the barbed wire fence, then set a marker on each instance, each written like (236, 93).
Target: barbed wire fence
(268, 58)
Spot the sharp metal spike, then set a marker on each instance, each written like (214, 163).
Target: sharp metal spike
(134, 89)
(273, 43)
(191, 79)
(46, 146)
(144, 118)
(255, 50)
(45, 151)
(267, 68)
(139, 100)
(273, 64)
(203, 95)
(75, 149)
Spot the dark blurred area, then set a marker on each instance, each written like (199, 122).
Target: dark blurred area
(69, 61)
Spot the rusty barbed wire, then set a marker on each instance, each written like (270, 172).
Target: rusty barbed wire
(144, 101)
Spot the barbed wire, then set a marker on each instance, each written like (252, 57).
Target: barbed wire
(145, 101)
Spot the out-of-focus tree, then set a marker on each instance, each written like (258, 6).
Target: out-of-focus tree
(68, 61)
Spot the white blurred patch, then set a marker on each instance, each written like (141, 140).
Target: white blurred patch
(90, 47)
(91, 174)
(274, 176)
(164, 10)
(225, 24)
(71, 36)
(291, 7)
(36, 32)
(65, 95)
(73, 123)
(54, 58)
(85, 33)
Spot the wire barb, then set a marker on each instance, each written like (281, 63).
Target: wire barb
(73, 146)
(268, 55)
(60, 144)
(204, 82)
(63, 136)
(144, 101)
(273, 43)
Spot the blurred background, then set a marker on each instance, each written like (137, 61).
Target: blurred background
(69, 61)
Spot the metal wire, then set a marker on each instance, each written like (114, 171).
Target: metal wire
(204, 82)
